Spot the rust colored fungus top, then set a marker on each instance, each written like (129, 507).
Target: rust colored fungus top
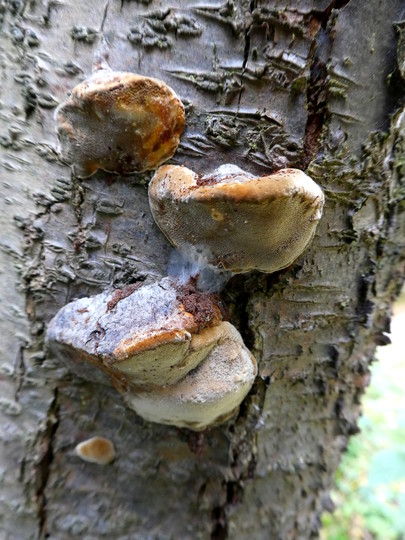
(119, 122)
(243, 222)
(205, 307)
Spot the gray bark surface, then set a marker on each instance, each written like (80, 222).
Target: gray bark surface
(314, 84)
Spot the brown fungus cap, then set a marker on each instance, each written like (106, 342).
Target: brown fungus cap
(119, 122)
(243, 222)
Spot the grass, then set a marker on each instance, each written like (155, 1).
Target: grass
(370, 483)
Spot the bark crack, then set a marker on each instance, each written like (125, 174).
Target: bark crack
(19, 371)
(246, 51)
(78, 195)
(243, 431)
(105, 13)
(318, 86)
(45, 445)
(243, 457)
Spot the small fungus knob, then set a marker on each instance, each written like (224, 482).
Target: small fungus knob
(96, 450)
(243, 222)
(119, 122)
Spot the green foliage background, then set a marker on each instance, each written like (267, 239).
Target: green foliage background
(370, 483)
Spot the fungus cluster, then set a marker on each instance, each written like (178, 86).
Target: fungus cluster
(165, 347)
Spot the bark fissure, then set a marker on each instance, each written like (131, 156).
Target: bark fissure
(19, 371)
(220, 529)
(318, 84)
(243, 457)
(246, 52)
(317, 101)
(242, 451)
(78, 201)
(334, 5)
(45, 447)
(105, 13)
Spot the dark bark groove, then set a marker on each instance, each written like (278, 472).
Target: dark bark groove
(44, 444)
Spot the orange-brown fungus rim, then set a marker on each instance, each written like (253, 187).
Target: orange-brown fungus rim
(251, 190)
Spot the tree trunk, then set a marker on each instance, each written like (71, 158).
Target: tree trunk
(317, 86)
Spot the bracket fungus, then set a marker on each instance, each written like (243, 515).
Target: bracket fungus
(119, 122)
(244, 222)
(163, 346)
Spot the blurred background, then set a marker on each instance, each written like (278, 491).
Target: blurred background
(370, 483)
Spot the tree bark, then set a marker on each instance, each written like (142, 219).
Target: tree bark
(316, 85)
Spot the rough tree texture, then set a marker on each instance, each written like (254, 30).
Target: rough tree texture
(314, 84)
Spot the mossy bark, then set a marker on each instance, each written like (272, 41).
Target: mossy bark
(266, 85)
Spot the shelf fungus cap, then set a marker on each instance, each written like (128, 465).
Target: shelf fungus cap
(243, 222)
(151, 335)
(119, 122)
(207, 395)
(96, 450)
